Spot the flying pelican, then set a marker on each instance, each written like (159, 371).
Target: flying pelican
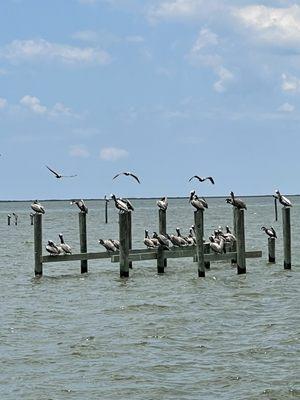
(120, 204)
(163, 203)
(238, 203)
(52, 248)
(107, 244)
(37, 207)
(149, 242)
(80, 204)
(203, 179)
(269, 231)
(283, 200)
(64, 246)
(127, 174)
(58, 175)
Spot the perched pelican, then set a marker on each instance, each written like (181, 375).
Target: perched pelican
(37, 207)
(162, 239)
(128, 204)
(217, 247)
(116, 243)
(58, 176)
(238, 203)
(80, 204)
(177, 240)
(149, 242)
(184, 241)
(192, 233)
(283, 200)
(128, 174)
(269, 231)
(229, 237)
(120, 204)
(154, 239)
(196, 202)
(203, 179)
(163, 203)
(64, 246)
(52, 248)
(107, 244)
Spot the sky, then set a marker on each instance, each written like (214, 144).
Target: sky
(166, 89)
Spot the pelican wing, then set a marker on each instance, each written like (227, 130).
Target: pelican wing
(211, 179)
(53, 172)
(195, 176)
(135, 177)
(117, 175)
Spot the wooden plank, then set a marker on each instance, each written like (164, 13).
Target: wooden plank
(77, 257)
(253, 254)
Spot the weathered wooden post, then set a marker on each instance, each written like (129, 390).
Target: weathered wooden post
(129, 222)
(271, 249)
(275, 207)
(8, 219)
(199, 231)
(240, 240)
(38, 246)
(16, 218)
(286, 227)
(207, 263)
(83, 240)
(106, 205)
(31, 218)
(162, 226)
(124, 244)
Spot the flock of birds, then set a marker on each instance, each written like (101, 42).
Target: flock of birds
(217, 239)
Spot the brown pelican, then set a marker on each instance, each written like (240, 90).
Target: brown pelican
(163, 203)
(149, 242)
(229, 237)
(184, 240)
(238, 203)
(37, 207)
(127, 174)
(64, 246)
(80, 204)
(283, 200)
(128, 204)
(269, 231)
(196, 202)
(154, 239)
(116, 243)
(177, 240)
(120, 204)
(217, 247)
(203, 179)
(52, 248)
(162, 239)
(192, 234)
(107, 244)
(58, 176)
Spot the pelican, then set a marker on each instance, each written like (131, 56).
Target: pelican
(52, 248)
(196, 202)
(128, 204)
(116, 243)
(163, 203)
(107, 244)
(64, 246)
(58, 175)
(128, 174)
(162, 239)
(229, 237)
(283, 200)
(80, 204)
(120, 204)
(154, 239)
(217, 247)
(177, 240)
(238, 203)
(37, 207)
(192, 234)
(184, 241)
(210, 178)
(149, 242)
(269, 231)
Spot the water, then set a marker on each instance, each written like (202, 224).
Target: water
(172, 336)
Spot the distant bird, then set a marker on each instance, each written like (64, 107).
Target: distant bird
(58, 175)
(238, 203)
(162, 203)
(269, 231)
(37, 207)
(120, 204)
(107, 244)
(64, 246)
(52, 248)
(80, 204)
(203, 179)
(150, 243)
(127, 174)
(283, 200)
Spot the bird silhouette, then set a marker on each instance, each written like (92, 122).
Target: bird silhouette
(203, 179)
(127, 174)
(58, 176)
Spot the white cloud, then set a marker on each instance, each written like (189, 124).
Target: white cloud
(34, 104)
(30, 50)
(276, 26)
(225, 77)
(290, 83)
(205, 38)
(286, 107)
(3, 102)
(113, 153)
(79, 151)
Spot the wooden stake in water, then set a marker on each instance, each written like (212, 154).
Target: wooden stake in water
(199, 231)
(83, 240)
(275, 207)
(8, 219)
(124, 245)
(240, 240)
(31, 218)
(38, 247)
(162, 226)
(286, 227)
(106, 205)
(129, 224)
(16, 218)
(271, 249)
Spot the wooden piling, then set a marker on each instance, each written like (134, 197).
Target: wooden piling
(240, 240)
(31, 218)
(162, 227)
(83, 240)
(129, 224)
(124, 245)
(38, 246)
(106, 213)
(275, 207)
(8, 219)
(286, 228)
(271, 249)
(199, 231)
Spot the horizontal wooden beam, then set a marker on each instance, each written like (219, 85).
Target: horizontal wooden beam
(76, 257)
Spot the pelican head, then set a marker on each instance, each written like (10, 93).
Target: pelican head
(101, 241)
(192, 194)
(232, 195)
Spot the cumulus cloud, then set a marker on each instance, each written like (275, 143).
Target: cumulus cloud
(78, 151)
(286, 107)
(32, 50)
(34, 104)
(3, 102)
(290, 83)
(113, 153)
(225, 77)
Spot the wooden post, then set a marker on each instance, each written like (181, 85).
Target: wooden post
(162, 227)
(31, 218)
(199, 230)
(38, 246)
(207, 263)
(106, 204)
(8, 219)
(83, 240)
(286, 227)
(271, 249)
(240, 240)
(124, 245)
(16, 218)
(129, 219)
(275, 207)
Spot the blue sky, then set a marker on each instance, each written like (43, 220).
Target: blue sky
(164, 88)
